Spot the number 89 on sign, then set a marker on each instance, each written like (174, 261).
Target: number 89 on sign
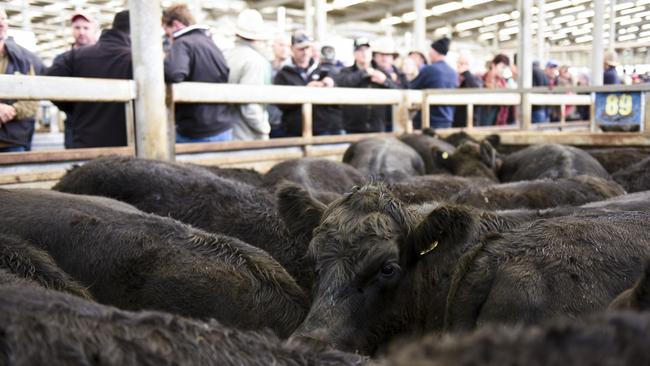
(619, 108)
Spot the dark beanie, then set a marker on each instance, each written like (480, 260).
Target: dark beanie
(441, 46)
(121, 22)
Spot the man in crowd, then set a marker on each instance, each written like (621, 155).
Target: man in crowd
(467, 80)
(438, 75)
(98, 124)
(365, 74)
(248, 66)
(83, 31)
(539, 113)
(16, 117)
(193, 56)
(610, 75)
(302, 70)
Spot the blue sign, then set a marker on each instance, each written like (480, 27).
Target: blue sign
(619, 109)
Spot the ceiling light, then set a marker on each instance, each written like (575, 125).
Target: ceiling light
(446, 8)
(557, 5)
(633, 10)
(627, 37)
(622, 6)
(584, 39)
(391, 21)
(468, 25)
(485, 36)
(586, 14)
(470, 3)
(574, 9)
(581, 31)
(496, 19)
(577, 22)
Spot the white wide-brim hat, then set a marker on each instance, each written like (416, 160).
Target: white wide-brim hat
(250, 25)
(384, 46)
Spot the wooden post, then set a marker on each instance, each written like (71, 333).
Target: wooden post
(151, 129)
(130, 124)
(171, 119)
(562, 115)
(403, 123)
(645, 99)
(307, 123)
(526, 111)
(425, 113)
(592, 114)
(470, 116)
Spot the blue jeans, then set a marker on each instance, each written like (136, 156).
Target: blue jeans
(224, 136)
(13, 149)
(539, 115)
(329, 133)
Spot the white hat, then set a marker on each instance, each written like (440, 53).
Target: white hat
(611, 58)
(384, 46)
(250, 25)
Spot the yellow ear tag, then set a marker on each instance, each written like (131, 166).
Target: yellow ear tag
(432, 247)
(445, 155)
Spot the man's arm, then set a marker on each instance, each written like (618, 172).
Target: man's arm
(349, 78)
(254, 115)
(177, 63)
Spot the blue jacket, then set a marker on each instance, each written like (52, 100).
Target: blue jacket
(21, 61)
(611, 76)
(437, 76)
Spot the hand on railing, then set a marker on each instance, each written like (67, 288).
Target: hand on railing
(7, 113)
(327, 82)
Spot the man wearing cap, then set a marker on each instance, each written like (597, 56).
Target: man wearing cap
(610, 75)
(83, 32)
(193, 56)
(365, 73)
(302, 70)
(248, 66)
(98, 124)
(437, 75)
(16, 117)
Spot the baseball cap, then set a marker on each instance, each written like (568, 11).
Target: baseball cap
(300, 40)
(551, 63)
(360, 42)
(81, 14)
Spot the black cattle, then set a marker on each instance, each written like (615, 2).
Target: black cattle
(471, 160)
(248, 176)
(22, 259)
(427, 146)
(611, 339)
(615, 159)
(458, 138)
(542, 193)
(197, 197)
(440, 187)
(636, 177)
(549, 161)
(41, 327)
(386, 159)
(636, 298)
(325, 179)
(138, 261)
(383, 269)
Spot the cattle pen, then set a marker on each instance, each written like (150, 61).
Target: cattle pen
(150, 114)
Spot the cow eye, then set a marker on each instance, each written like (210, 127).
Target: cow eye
(388, 270)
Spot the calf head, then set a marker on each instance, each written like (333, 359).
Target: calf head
(367, 248)
(471, 159)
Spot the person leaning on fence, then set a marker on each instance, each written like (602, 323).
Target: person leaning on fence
(193, 56)
(83, 32)
(610, 76)
(98, 124)
(249, 67)
(302, 70)
(16, 117)
(364, 74)
(437, 75)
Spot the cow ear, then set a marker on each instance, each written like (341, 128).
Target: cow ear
(442, 158)
(300, 212)
(429, 131)
(444, 228)
(494, 140)
(488, 154)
